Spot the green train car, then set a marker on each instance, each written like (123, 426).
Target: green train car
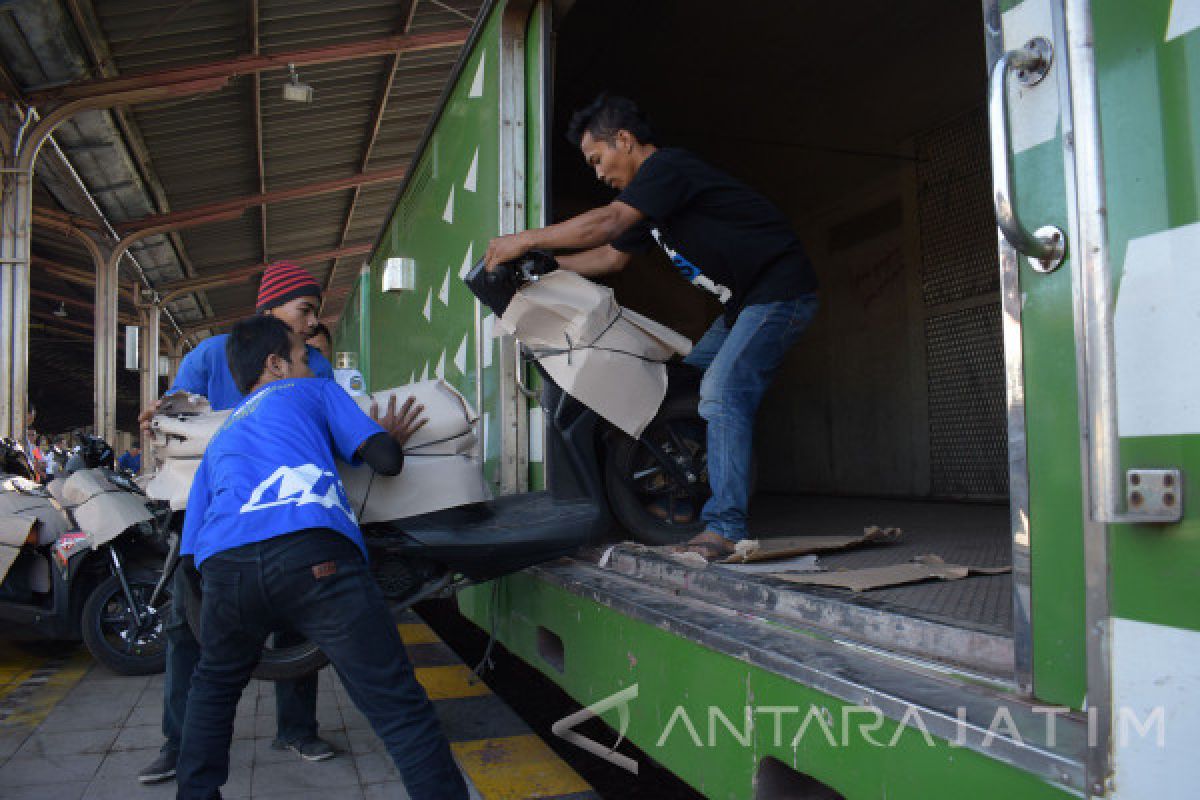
(1001, 200)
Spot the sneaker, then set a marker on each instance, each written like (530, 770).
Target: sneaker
(161, 769)
(312, 748)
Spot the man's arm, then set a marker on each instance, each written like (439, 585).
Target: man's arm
(596, 262)
(591, 229)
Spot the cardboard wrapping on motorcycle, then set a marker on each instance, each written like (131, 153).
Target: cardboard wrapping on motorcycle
(14, 530)
(173, 481)
(31, 502)
(185, 436)
(102, 510)
(443, 465)
(609, 358)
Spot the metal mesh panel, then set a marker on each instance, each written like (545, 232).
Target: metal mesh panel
(968, 425)
(968, 429)
(958, 230)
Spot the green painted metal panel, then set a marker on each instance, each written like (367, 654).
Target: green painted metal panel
(443, 220)
(1150, 116)
(346, 333)
(1053, 439)
(606, 652)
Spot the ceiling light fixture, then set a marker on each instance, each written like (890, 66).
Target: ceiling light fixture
(296, 91)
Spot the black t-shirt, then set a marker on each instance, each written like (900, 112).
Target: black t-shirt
(719, 233)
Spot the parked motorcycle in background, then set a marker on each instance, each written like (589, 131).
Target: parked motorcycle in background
(80, 558)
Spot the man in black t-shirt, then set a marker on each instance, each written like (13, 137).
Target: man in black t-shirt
(723, 237)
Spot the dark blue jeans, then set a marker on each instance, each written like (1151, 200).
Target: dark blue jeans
(316, 583)
(739, 364)
(295, 701)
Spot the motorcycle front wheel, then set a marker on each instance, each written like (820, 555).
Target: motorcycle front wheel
(657, 484)
(127, 641)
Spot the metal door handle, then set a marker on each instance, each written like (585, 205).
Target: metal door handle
(1047, 245)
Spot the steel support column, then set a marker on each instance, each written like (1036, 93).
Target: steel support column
(150, 314)
(16, 225)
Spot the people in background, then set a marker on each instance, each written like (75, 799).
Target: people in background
(131, 459)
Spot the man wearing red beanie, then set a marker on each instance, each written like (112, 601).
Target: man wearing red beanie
(292, 295)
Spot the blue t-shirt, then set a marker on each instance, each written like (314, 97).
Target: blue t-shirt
(270, 470)
(205, 371)
(130, 462)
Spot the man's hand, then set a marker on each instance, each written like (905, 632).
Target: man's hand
(403, 424)
(506, 248)
(146, 416)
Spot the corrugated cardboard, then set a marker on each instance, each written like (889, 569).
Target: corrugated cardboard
(921, 568)
(751, 550)
(53, 521)
(443, 467)
(173, 481)
(101, 509)
(608, 358)
(14, 530)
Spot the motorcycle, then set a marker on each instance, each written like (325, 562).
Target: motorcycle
(600, 472)
(656, 483)
(79, 558)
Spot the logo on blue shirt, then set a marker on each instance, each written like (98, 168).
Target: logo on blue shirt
(298, 486)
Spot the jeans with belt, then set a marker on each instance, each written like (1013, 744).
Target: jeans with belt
(739, 365)
(316, 583)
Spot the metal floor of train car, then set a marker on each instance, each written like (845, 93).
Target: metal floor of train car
(967, 623)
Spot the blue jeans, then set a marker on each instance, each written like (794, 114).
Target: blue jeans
(739, 365)
(295, 701)
(316, 583)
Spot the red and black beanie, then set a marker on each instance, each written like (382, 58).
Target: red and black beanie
(284, 281)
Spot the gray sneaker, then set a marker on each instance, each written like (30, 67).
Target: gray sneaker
(160, 769)
(312, 748)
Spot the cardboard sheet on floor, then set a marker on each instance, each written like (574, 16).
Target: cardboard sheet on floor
(795, 564)
(752, 550)
(921, 568)
(607, 357)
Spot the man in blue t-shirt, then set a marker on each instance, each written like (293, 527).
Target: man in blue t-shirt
(276, 542)
(291, 295)
(131, 459)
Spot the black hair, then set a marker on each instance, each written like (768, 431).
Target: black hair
(321, 330)
(606, 115)
(249, 344)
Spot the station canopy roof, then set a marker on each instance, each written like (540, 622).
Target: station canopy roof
(240, 175)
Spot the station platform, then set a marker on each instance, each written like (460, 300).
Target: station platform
(72, 730)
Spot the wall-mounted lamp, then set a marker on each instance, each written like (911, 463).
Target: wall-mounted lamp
(296, 91)
(61, 311)
(399, 275)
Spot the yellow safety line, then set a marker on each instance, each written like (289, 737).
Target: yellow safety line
(417, 633)
(43, 700)
(517, 767)
(501, 768)
(455, 680)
